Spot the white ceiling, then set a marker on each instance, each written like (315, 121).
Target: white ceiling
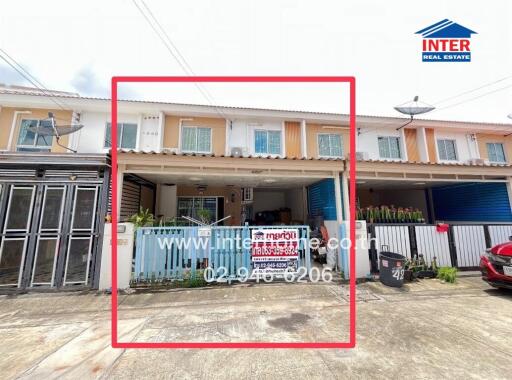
(241, 181)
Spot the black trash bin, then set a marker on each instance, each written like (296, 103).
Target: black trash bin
(391, 270)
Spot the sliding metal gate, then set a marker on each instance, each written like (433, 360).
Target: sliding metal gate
(48, 234)
(461, 246)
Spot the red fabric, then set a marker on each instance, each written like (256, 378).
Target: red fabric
(442, 227)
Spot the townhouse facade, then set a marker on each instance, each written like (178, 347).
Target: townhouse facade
(237, 165)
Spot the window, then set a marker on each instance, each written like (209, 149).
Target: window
(126, 136)
(329, 145)
(389, 147)
(447, 150)
(267, 142)
(32, 141)
(197, 207)
(496, 152)
(196, 139)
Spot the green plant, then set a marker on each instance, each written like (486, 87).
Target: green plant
(447, 274)
(142, 219)
(204, 216)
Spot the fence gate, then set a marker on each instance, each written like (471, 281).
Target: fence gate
(461, 246)
(48, 234)
(176, 253)
(469, 244)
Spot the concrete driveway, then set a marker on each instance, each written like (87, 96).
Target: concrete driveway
(427, 330)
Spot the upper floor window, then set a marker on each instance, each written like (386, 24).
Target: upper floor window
(447, 150)
(126, 136)
(389, 147)
(196, 139)
(267, 142)
(329, 145)
(33, 141)
(496, 152)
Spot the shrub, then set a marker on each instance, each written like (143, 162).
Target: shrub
(447, 274)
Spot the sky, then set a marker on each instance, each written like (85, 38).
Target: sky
(79, 45)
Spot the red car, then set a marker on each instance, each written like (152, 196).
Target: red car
(496, 266)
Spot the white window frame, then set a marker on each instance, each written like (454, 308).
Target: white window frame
(444, 139)
(505, 158)
(34, 148)
(281, 144)
(400, 148)
(120, 142)
(329, 134)
(195, 150)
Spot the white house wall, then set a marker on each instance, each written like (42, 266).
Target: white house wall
(367, 140)
(461, 142)
(91, 138)
(242, 134)
(149, 133)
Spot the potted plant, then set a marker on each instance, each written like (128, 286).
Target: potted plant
(143, 218)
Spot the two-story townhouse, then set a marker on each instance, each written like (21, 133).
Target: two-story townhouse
(52, 202)
(261, 166)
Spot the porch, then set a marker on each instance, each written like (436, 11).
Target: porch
(403, 203)
(235, 195)
(254, 191)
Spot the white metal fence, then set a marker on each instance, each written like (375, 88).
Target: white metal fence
(460, 246)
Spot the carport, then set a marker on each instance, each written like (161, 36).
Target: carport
(473, 200)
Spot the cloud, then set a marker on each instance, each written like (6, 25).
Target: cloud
(87, 83)
(9, 76)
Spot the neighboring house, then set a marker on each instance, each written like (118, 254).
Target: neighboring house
(259, 166)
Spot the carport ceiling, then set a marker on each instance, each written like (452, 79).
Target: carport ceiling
(377, 184)
(287, 182)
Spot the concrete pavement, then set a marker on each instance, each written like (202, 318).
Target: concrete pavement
(426, 330)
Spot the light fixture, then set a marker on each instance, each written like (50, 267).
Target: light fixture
(195, 179)
(72, 177)
(360, 182)
(269, 180)
(413, 108)
(419, 183)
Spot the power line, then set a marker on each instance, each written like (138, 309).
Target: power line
(473, 90)
(29, 77)
(175, 53)
(474, 98)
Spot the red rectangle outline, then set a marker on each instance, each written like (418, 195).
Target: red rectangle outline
(352, 188)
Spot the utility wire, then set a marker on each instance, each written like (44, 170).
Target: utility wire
(474, 98)
(175, 53)
(29, 77)
(473, 90)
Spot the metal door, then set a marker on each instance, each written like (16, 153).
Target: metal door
(48, 234)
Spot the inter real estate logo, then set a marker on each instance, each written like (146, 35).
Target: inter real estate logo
(446, 41)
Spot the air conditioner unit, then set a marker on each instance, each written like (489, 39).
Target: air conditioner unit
(477, 161)
(247, 194)
(170, 150)
(361, 156)
(237, 152)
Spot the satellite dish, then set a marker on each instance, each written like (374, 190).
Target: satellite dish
(412, 108)
(48, 127)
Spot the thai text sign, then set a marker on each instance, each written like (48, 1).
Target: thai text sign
(275, 250)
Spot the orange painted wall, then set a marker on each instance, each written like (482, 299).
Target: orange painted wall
(6, 119)
(292, 139)
(218, 126)
(312, 131)
(431, 144)
(411, 144)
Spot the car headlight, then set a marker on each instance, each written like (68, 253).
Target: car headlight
(496, 258)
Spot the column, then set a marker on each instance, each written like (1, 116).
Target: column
(120, 178)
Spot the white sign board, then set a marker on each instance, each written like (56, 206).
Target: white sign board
(275, 250)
